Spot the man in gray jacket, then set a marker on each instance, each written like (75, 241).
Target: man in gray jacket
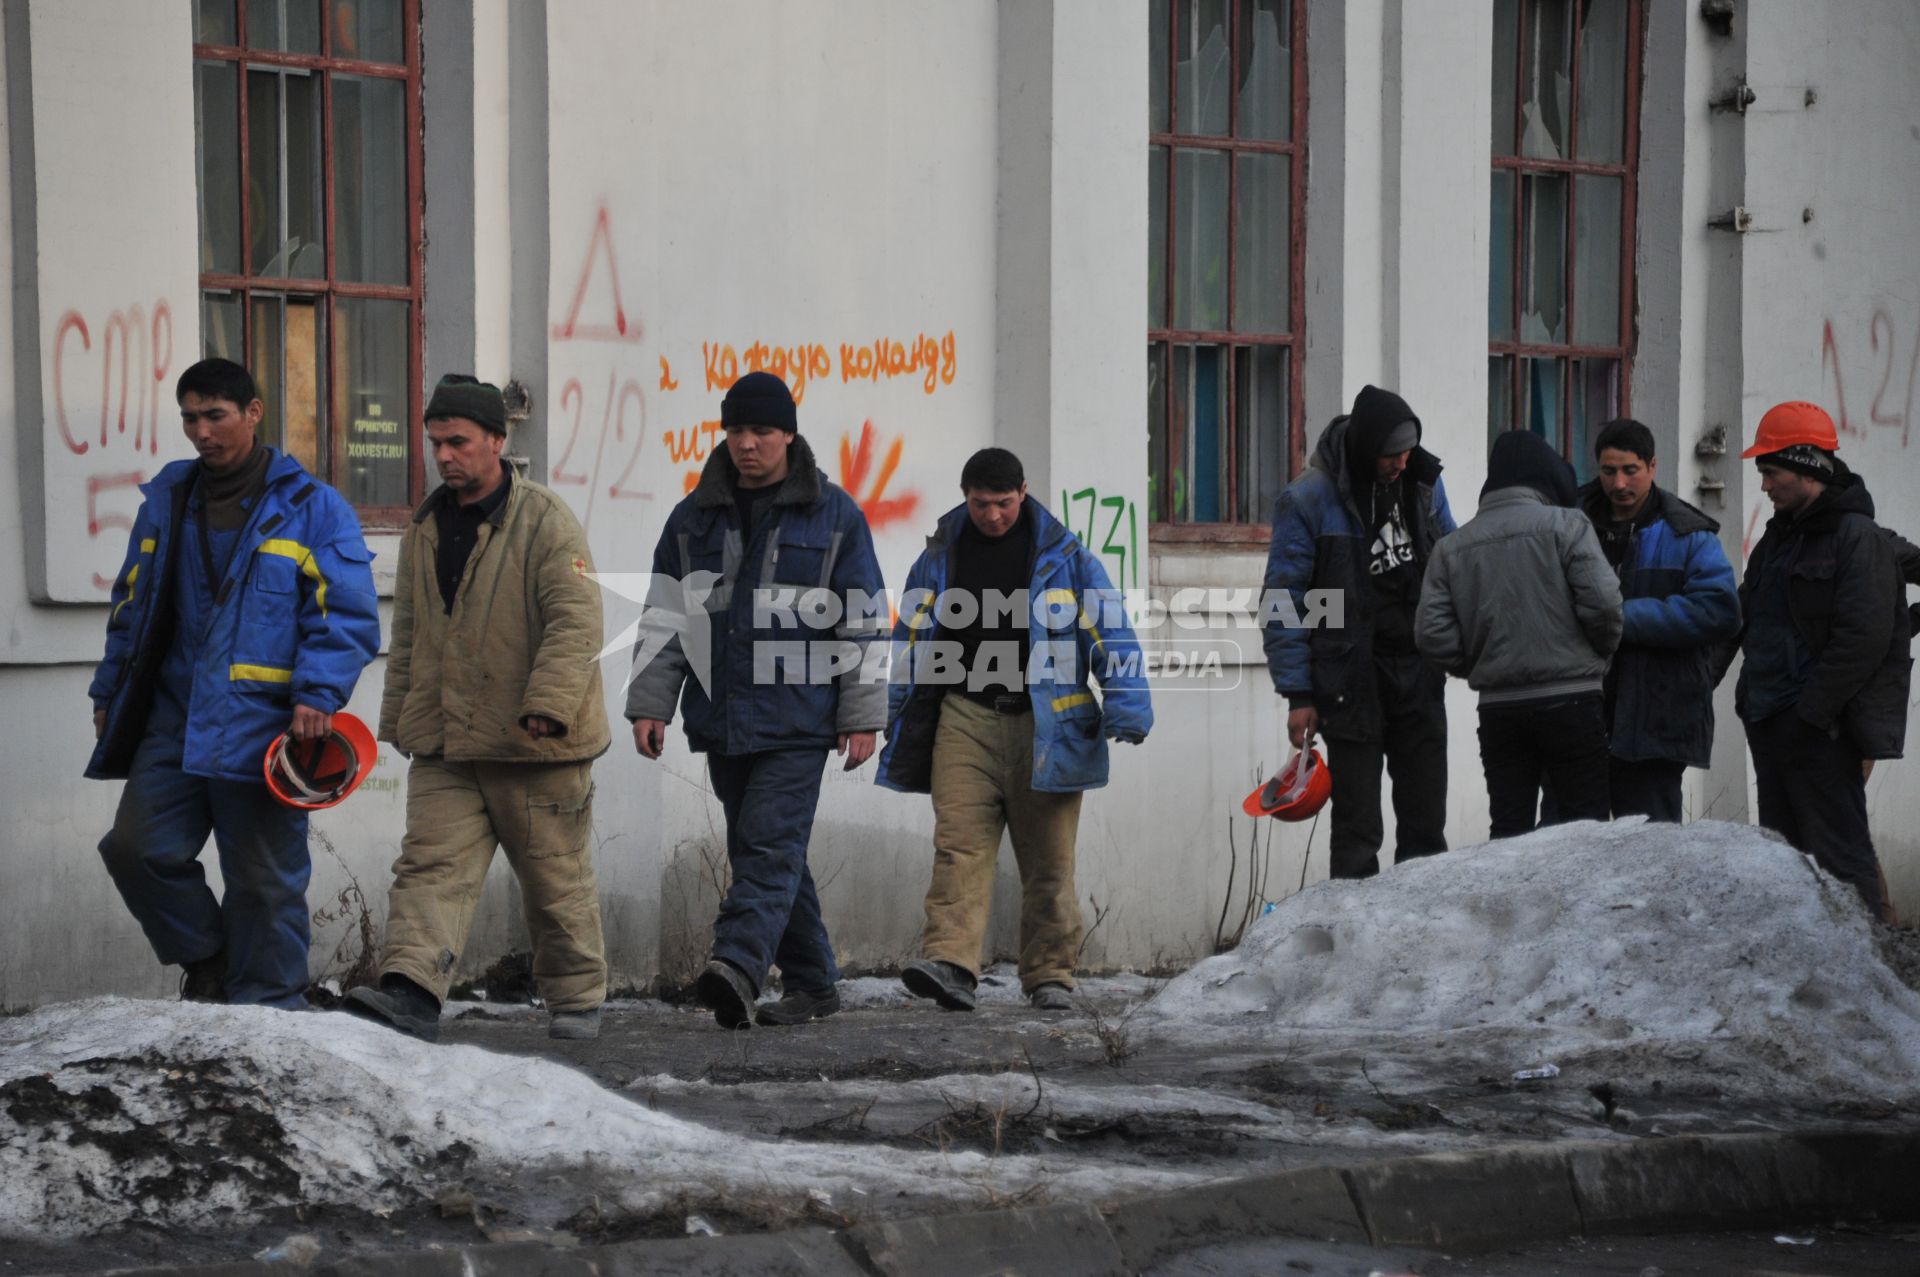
(1522, 603)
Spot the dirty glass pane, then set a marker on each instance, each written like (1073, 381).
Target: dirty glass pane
(1500, 258)
(215, 23)
(1499, 395)
(1266, 70)
(265, 212)
(370, 399)
(1596, 261)
(1203, 81)
(288, 26)
(1200, 240)
(1603, 81)
(267, 361)
(1540, 394)
(1596, 401)
(216, 108)
(1159, 65)
(1260, 429)
(220, 332)
(1262, 260)
(1156, 433)
(1543, 258)
(1198, 481)
(1157, 237)
(1545, 80)
(369, 31)
(370, 179)
(1506, 53)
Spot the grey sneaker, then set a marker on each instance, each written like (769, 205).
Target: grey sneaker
(725, 990)
(797, 1006)
(575, 1026)
(946, 983)
(1051, 997)
(398, 1003)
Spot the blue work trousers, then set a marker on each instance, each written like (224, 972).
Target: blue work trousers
(153, 854)
(771, 913)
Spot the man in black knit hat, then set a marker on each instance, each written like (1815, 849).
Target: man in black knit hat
(1363, 520)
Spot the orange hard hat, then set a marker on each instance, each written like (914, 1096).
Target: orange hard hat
(1297, 791)
(312, 775)
(1794, 422)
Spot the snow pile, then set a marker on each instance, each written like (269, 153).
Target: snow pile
(1711, 944)
(114, 1111)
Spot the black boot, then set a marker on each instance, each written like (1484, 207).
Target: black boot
(947, 983)
(204, 980)
(797, 1006)
(398, 1003)
(725, 990)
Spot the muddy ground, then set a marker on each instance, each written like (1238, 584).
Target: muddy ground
(1086, 1086)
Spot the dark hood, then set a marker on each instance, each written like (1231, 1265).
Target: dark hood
(1522, 459)
(1846, 494)
(1376, 414)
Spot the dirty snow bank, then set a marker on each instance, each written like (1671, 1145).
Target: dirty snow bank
(1712, 945)
(115, 1111)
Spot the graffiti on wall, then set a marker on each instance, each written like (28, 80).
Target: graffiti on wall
(132, 348)
(1109, 526)
(602, 438)
(1895, 363)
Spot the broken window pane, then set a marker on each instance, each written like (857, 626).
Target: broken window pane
(1200, 241)
(1261, 258)
(1603, 81)
(1543, 258)
(1266, 70)
(1540, 386)
(220, 320)
(1203, 81)
(1545, 84)
(1596, 261)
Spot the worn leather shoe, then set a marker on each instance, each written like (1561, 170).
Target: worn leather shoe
(398, 1003)
(1051, 997)
(725, 990)
(797, 1006)
(949, 985)
(574, 1026)
(205, 980)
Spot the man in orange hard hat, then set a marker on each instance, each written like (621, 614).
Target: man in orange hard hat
(1824, 685)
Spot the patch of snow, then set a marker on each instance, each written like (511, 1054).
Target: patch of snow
(1712, 948)
(115, 1111)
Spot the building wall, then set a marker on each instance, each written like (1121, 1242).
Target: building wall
(664, 196)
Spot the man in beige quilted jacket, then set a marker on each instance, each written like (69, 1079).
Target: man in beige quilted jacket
(493, 690)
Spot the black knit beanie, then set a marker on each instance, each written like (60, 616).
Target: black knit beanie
(759, 399)
(1802, 459)
(459, 395)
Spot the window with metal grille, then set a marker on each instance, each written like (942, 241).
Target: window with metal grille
(1566, 120)
(1225, 308)
(307, 116)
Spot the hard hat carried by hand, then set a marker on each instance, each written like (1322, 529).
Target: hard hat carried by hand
(1297, 791)
(1791, 423)
(316, 774)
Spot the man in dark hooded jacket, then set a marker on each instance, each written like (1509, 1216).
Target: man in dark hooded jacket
(1825, 681)
(1363, 521)
(1522, 603)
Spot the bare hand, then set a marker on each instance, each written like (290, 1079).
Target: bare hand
(649, 736)
(309, 724)
(1302, 726)
(99, 723)
(539, 726)
(858, 748)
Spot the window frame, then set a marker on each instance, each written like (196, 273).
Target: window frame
(1627, 170)
(1165, 338)
(245, 284)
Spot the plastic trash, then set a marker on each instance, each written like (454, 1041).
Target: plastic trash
(300, 1248)
(697, 1226)
(1785, 1240)
(1537, 1074)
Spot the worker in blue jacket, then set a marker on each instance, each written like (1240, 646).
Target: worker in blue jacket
(1006, 621)
(1681, 602)
(245, 609)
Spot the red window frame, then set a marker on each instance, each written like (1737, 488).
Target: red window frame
(1628, 173)
(1164, 337)
(325, 290)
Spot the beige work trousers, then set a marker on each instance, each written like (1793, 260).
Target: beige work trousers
(541, 814)
(982, 786)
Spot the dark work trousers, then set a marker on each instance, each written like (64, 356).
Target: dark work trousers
(1561, 742)
(1414, 749)
(1649, 787)
(153, 854)
(771, 913)
(1812, 792)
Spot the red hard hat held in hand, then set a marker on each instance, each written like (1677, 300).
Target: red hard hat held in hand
(1791, 423)
(313, 775)
(1297, 791)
